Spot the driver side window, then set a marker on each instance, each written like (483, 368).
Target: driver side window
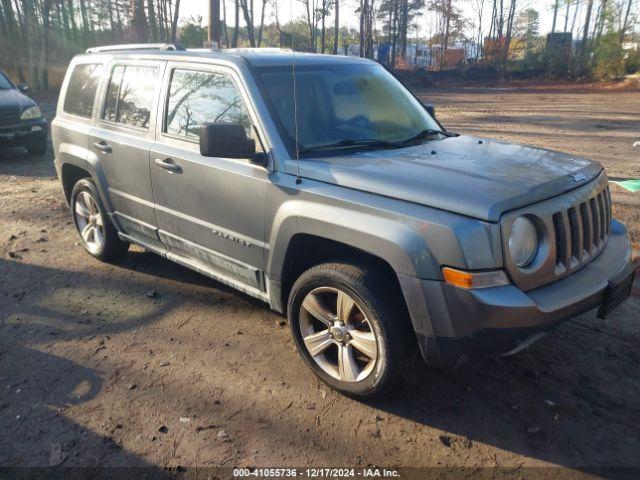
(197, 97)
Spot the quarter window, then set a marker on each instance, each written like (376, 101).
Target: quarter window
(130, 95)
(81, 92)
(203, 97)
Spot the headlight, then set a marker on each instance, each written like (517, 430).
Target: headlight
(523, 242)
(31, 113)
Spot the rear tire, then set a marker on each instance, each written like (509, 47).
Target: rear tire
(349, 329)
(98, 235)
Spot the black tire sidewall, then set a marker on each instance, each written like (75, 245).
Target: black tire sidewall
(379, 315)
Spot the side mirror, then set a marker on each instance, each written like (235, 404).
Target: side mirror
(23, 87)
(431, 110)
(226, 140)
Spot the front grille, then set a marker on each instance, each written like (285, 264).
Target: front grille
(574, 228)
(8, 118)
(581, 231)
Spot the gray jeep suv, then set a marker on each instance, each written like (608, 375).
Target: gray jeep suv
(322, 186)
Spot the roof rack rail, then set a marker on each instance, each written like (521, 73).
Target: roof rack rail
(136, 46)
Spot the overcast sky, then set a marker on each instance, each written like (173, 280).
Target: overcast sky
(293, 9)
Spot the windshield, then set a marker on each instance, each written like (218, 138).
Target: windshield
(342, 104)
(5, 84)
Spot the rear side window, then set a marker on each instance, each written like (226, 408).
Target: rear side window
(81, 91)
(202, 97)
(130, 95)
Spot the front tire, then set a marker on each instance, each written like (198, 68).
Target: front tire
(98, 235)
(348, 329)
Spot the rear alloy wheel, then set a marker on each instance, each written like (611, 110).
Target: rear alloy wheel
(90, 223)
(98, 234)
(348, 328)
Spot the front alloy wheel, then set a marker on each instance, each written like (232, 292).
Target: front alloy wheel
(337, 334)
(350, 327)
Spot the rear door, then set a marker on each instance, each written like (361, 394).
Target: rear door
(210, 211)
(121, 140)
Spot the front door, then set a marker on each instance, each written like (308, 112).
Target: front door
(121, 141)
(209, 211)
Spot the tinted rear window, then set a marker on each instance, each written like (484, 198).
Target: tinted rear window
(130, 95)
(81, 91)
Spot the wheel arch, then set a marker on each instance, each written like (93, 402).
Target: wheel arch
(306, 233)
(307, 250)
(70, 174)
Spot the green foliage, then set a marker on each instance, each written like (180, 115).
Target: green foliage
(632, 61)
(609, 57)
(527, 44)
(192, 35)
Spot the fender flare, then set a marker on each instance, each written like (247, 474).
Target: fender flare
(404, 249)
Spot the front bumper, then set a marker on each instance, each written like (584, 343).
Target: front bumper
(454, 324)
(24, 133)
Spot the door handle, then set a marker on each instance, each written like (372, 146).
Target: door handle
(103, 146)
(168, 164)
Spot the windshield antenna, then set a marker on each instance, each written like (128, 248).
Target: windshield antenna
(295, 100)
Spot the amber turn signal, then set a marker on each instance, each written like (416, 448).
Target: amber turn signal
(468, 280)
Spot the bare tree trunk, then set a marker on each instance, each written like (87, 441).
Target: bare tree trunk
(25, 28)
(585, 30)
(138, 27)
(13, 36)
(224, 22)
(236, 29)
(394, 35)
(575, 17)
(264, 4)
(118, 18)
(247, 11)
(162, 25)
(555, 16)
(153, 25)
(363, 8)
(447, 25)
(323, 15)
(369, 50)
(404, 28)
(601, 19)
(174, 23)
(566, 17)
(625, 22)
(85, 22)
(46, 38)
(507, 42)
(307, 4)
(336, 27)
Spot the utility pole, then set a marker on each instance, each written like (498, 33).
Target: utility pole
(214, 24)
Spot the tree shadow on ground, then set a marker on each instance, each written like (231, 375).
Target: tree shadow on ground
(570, 400)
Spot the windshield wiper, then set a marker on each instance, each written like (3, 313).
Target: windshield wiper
(429, 132)
(352, 143)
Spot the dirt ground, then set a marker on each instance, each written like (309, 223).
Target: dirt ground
(146, 363)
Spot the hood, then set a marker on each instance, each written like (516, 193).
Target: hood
(475, 177)
(13, 103)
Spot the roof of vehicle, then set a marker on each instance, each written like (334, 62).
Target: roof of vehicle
(259, 57)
